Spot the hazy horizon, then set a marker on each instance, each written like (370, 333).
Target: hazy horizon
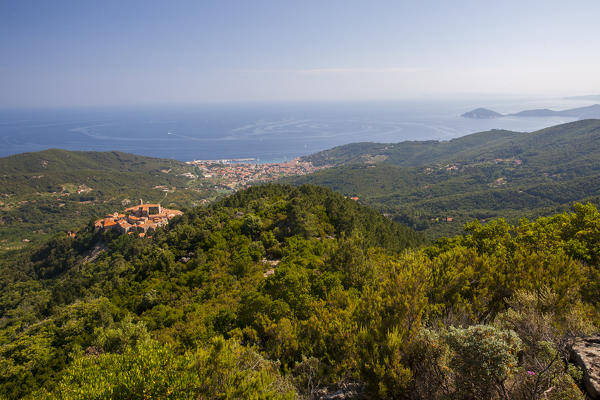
(70, 53)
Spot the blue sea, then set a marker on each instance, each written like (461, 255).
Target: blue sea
(267, 132)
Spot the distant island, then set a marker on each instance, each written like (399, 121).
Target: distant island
(592, 111)
(482, 113)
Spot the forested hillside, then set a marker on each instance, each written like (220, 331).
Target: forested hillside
(480, 176)
(580, 137)
(47, 191)
(281, 292)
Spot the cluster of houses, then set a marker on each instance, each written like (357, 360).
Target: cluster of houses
(233, 175)
(142, 219)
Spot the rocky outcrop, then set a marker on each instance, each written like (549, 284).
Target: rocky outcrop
(344, 391)
(586, 354)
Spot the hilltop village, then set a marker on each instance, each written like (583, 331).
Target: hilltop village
(237, 174)
(142, 219)
(234, 174)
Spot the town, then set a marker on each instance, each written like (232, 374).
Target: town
(232, 174)
(142, 219)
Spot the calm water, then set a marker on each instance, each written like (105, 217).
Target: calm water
(267, 132)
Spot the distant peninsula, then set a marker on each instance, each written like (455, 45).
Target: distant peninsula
(589, 97)
(592, 111)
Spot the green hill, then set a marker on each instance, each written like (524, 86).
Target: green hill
(280, 292)
(47, 191)
(411, 153)
(56, 160)
(580, 136)
(479, 176)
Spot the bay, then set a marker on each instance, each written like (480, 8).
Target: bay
(267, 132)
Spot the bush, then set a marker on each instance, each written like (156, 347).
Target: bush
(224, 370)
(463, 363)
(483, 359)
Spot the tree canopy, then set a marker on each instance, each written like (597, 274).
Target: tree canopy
(291, 292)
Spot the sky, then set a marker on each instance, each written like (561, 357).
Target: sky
(84, 52)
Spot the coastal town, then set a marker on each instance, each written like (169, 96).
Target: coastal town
(238, 173)
(142, 219)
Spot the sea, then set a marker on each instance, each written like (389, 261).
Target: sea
(264, 132)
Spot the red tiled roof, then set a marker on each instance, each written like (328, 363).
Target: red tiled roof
(129, 221)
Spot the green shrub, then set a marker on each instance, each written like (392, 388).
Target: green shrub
(224, 370)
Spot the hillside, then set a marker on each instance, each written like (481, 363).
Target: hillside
(189, 283)
(489, 144)
(410, 153)
(480, 176)
(52, 190)
(280, 292)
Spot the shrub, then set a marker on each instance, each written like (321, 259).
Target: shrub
(223, 370)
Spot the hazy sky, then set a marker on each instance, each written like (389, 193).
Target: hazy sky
(57, 53)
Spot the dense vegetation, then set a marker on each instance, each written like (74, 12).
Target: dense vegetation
(44, 192)
(480, 176)
(281, 292)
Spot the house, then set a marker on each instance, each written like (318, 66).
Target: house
(144, 210)
(124, 226)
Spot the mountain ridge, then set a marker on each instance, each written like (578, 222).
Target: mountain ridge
(586, 112)
(418, 153)
(480, 176)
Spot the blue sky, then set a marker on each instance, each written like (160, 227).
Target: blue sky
(61, 53)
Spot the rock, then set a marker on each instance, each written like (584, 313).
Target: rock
(93, 351)
(269, 272)
(345, 391)
(586, 354)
